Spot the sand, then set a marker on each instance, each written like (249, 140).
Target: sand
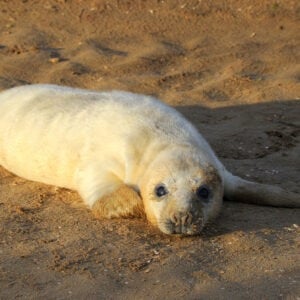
(232, 68)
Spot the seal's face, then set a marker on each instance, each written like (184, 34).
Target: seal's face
(182, 194)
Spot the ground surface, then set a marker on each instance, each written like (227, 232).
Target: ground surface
(232, 67)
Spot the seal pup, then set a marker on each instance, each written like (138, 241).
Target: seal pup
(124, 153)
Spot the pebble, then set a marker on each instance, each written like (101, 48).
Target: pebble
(54, 60)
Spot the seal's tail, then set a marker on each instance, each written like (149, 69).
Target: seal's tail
(238, 189)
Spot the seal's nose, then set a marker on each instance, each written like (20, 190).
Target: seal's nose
(181, 221)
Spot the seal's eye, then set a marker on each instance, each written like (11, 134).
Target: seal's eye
(161, 190)
(203, 193)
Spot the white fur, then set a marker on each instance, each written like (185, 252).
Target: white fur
(50, 134)
(97, 142)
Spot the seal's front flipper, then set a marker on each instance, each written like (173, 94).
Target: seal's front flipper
(123, 202)
(238, 189)
(105, 193)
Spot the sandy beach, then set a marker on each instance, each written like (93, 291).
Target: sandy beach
(232, 68)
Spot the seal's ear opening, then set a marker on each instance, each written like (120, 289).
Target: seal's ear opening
(240, 190)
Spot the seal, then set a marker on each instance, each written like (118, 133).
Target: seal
(126, 154)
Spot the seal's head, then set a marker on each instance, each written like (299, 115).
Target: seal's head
(182, 192)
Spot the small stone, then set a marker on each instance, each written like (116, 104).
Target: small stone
(54, 60)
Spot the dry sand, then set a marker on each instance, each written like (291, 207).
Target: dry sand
(232, 67)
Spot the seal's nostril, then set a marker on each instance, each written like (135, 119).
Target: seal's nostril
(175, 219)
(182, 220)
(189, 219)
(186, 219)
(186, 222)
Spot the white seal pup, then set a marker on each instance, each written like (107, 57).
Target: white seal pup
(124, 153)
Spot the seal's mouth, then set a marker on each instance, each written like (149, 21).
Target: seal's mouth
(182, 224)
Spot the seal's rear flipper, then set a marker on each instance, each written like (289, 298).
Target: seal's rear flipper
(238, 189)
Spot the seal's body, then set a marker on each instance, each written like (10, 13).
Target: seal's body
(123, 153)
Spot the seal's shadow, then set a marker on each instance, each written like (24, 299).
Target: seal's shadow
(259, 142)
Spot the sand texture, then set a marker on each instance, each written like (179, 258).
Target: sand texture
(232, 68)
